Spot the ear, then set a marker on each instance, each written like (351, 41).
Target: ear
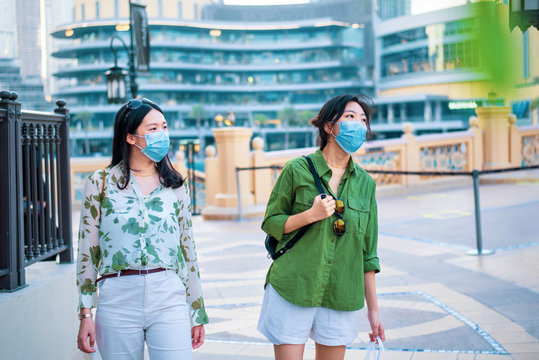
(328, 127)
(130, 139)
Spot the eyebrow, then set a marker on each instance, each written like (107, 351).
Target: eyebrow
(352, 111)
(154, 123)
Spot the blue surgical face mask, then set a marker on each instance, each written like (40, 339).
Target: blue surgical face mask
(352, 135)
(157, 145)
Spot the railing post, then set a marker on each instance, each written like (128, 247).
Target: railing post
(478, 237)
(11, 237)
(64, 179)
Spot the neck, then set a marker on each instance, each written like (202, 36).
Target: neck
(335, 155)
(140, 163)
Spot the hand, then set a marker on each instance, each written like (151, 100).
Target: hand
(376, 326)
(197, 336)
(86, 329)
(322, 207)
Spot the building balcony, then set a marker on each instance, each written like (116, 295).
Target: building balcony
(75, 50)
(100, 68)
(255, 88)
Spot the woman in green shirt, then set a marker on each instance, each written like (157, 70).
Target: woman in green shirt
(316, 288)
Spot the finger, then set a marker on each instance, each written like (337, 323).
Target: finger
(382, 334)
(374, 333)
(92, 339)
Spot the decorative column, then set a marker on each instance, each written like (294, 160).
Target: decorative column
(232, 151)
(515, 142)
(476, 152)
(262, 183)
(412, 162)
(212, 176)
(494, 121)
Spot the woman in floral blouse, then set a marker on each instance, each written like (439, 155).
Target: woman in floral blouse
(136, 248)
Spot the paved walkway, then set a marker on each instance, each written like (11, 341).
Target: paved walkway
(435, 301)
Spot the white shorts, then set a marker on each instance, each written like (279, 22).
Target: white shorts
(285, 323)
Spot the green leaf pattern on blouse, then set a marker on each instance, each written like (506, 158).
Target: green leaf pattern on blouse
(136, 231)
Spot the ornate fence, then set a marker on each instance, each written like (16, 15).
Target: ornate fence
(35, 187)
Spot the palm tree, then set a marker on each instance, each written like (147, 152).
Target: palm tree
(287, 115)
(261, 119)
(198, 113)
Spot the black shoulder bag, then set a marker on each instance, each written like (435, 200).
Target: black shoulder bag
(271, 242)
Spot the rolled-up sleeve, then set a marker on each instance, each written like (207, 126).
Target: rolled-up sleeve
(279, 206)
(370, 254)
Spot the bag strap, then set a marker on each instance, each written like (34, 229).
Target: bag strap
(102, 195)
(315, 176)
(304, 229)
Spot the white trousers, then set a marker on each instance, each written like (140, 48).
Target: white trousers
(137, 308)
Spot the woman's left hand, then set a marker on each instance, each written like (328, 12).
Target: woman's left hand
(197, 336)
(376, 326)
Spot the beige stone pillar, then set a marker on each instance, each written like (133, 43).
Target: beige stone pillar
(233, 151)
(493, 120)
(476, 151)
(180, 163)
(515, 143)
(262, 183)
(412, 154)
(212, 176)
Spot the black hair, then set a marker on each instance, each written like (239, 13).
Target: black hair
(126, 122)
(332, 111)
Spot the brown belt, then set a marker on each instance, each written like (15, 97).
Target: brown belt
(130, 272)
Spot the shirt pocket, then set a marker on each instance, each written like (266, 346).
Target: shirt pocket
(304, 201)
(358, 215)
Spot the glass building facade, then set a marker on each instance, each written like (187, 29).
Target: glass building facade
(247, 69)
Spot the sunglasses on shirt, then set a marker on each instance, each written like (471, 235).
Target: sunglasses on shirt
(339, 226)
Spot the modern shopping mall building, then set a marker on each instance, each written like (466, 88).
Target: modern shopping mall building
(422, 68)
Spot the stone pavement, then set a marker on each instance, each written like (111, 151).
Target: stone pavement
(435, 301)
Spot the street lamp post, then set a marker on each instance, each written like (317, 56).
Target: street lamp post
(116, 84)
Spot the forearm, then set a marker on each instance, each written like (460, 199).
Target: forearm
(297, 221)
(370, 292)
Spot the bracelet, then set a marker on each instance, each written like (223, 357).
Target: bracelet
(83, 316)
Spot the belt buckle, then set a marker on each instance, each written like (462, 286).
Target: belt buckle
(143, 272)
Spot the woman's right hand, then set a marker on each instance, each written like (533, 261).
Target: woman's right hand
(86, 330)
(322, 208)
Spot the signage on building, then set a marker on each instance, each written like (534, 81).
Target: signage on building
(459, 105)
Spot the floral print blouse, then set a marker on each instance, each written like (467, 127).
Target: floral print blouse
(136, 232)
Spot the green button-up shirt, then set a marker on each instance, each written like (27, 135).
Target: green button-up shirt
(323, 269)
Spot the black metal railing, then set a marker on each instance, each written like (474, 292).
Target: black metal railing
(35, 189)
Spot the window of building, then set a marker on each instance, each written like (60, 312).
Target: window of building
(116, 9)
(195, 6)
(97, 10)
(82, 14)
(160, 8)
(180, 13)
